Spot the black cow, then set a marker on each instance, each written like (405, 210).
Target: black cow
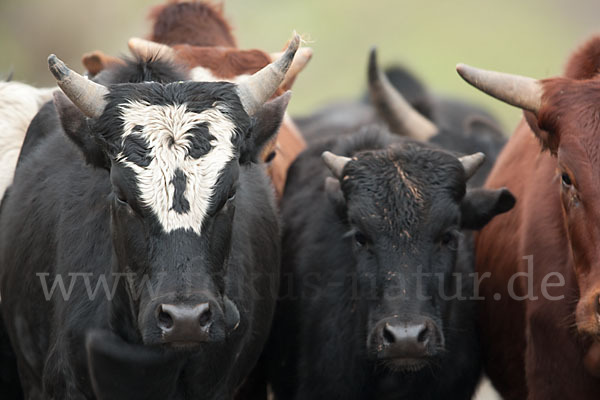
(10, 386)
(147, 202)
(375, 271)
(398, 99)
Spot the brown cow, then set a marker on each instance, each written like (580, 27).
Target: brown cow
(197, 23)
(546, 347)
(200, 38)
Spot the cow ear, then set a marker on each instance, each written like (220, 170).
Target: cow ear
(334, 193)
(120, 370)
(478, 125)
(548, 141)
(96, 61)
(585, 61)
(76, 127)
(479, 206)
(265, 125)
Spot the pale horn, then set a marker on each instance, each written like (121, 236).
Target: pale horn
(401, 117)
(519, 91)
(471, 163)
(335, 163)
(255, 90)
(88, 96)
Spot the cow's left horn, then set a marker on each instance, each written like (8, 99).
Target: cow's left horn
(258, 88)
(472, 163)
(335, 163)
(393, 107)
(518, 91)
(88, 96)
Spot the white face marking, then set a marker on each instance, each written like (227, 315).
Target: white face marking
(165, 128)
(201, 74)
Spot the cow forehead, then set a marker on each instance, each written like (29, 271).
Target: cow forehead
(394, 196)
(177, 156)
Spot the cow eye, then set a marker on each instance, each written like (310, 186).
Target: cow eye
(450, 239)
(231, 196)
(360, 239)
(121, 199)
(270, 157)
(566, 179)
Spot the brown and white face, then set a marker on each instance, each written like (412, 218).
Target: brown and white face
(563, 114)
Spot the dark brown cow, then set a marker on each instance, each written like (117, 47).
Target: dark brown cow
(201, 39)
(545, 348)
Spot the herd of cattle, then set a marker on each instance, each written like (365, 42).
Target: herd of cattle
(167, 231)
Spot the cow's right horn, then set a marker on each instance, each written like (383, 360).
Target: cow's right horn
(472, 163)
(88, 96)
(335, 163)
(259, 87)
(519, 91)
(401, 117)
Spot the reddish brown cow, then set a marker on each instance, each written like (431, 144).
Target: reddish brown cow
(545, 348)
(197, 23)
(200, 39)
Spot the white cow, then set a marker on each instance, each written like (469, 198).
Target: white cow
(19, 103)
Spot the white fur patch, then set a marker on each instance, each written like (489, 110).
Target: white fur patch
(165, 128)
(18, 105)
(201, 74)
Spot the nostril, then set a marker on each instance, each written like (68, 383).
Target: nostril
(165, 320)
(388, 335)
(205, 317)
(598, 304)
(423, 335)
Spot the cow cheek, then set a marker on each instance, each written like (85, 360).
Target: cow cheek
(583, 250)
(129, 239)
(220, 242)
(592, 359)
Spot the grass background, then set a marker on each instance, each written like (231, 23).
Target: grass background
(531, 37)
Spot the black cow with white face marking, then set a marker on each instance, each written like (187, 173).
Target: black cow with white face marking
(146, 201)
(376, 296)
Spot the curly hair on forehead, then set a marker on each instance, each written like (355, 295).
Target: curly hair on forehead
(569, 107)
(404, 176)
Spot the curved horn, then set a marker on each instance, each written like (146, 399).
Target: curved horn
(472, 163)
(335, 163)
(147, 49)
(88, 96)
(394, 108)
(519, 91)
(301, 59)
(258, 88)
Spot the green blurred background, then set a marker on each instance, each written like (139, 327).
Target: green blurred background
(531, 37)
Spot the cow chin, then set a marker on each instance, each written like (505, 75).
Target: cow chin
(405, 365)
